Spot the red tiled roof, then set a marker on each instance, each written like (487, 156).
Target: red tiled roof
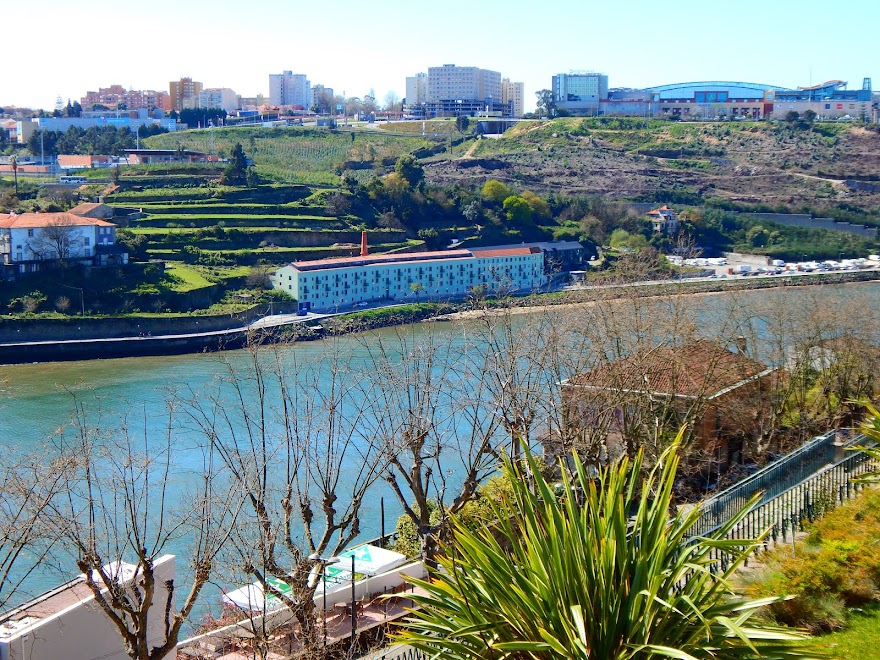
(85, 207)
(33, 220)
(699, 368)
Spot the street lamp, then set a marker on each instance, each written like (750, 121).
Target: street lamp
(325, 561)
(353, 608)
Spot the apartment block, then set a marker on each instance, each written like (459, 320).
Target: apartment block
(417, 89)
(184, 93)
(219, 97)
(322, 98)
(115, 96)
(288, 88)
(450, 83)
(513, 94)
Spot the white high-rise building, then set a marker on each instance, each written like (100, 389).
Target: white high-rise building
(417, 89)
(514, 94)
(218, 97)
(288, 88)
(467, 83)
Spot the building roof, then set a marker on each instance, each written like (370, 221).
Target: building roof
(36, 220)
(375, 259)
(88, 207)
(410, 257)
(546, 246)
(663, 210)
(696, 369)
(490, 252)
(713, 85)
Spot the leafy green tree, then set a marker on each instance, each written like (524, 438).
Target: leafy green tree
(792, 116)
(495, 191)
(546, 104)
(809, 117)
(539, 207)
(594, 569)
(235, 173)
(517, 210)
(462, 122)
(410, 170)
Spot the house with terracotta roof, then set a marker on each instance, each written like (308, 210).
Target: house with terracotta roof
(32, 241)
(93, 210)
(330, 284)
(664, 219)
(722, 395)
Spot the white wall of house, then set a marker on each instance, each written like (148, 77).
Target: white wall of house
(36, 243)
(81, 630)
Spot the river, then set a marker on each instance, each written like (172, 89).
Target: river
(36, 400)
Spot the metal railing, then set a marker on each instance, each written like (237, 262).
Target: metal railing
(771, 480)
(785, 512)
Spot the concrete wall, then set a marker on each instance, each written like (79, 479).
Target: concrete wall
(366, 588)
(15, 330)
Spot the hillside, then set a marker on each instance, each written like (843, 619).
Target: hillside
(653, 160)
(301, 155)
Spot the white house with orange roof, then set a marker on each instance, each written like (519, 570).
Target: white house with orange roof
(664, 219)
(330, 284)
(31, 240)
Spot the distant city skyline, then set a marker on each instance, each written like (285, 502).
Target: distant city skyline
(77, 47)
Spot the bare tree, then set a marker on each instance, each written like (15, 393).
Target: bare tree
(435, 420)
(60, 239)
(29, 483)
(392, 102)
(118, 516)
(299, 442)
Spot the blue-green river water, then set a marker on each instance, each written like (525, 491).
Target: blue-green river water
(36, 400)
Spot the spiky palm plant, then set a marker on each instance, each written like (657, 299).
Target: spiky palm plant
(599, 569)
(870, 428)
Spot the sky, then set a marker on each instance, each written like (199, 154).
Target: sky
(73, 47)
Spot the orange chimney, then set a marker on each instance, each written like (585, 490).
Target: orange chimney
(364, 251)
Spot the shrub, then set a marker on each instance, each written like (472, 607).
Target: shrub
(836, 568)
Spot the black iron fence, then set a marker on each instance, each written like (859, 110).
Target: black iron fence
(774, 479)
(785, 511)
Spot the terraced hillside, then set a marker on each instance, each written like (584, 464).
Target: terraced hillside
(226, 226)
(770, 163)
(302, 155)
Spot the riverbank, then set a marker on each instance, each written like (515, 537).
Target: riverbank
(84, 339)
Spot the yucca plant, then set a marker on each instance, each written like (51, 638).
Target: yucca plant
(870, 428)
(595, 568)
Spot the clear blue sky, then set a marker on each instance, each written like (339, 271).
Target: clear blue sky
(62, 47)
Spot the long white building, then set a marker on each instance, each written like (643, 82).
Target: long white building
(330, 284)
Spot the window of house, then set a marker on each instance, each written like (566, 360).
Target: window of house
(30, 233)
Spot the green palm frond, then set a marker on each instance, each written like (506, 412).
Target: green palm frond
(596, 569)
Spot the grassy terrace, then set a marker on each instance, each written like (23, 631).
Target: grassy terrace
(209, 220)
(200, 231)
